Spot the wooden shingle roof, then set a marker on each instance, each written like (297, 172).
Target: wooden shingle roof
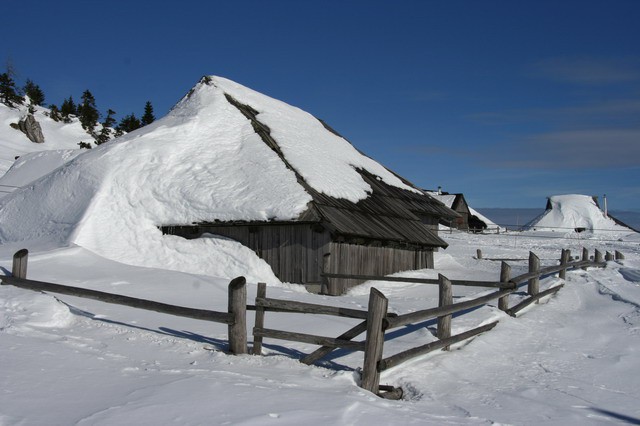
(388, 214)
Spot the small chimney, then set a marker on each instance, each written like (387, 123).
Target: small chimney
(606, 213)
(439, 190)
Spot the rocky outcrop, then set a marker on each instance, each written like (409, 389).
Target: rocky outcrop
(30, 127)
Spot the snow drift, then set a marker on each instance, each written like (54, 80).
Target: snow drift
(201, 162)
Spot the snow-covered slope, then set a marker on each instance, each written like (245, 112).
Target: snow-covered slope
(57, 134)
(572, 211)
(202, 162)
(32, 166)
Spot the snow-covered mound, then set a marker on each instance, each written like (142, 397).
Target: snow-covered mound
(204, 161)
(571, 212)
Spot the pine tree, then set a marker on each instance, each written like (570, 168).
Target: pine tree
(129, 123)
(148, 116)
(34, 92)
(87, 112)
(107, 124)
(8, 93)
(68, 108)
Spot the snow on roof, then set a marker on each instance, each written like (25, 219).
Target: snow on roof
(204, 161)
(571, 211)
(490, 224)
(446, 199)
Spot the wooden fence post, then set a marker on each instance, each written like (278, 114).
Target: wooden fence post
(257, 340)
(608, 257)
(533, 287)
(585, 256)
(619, 256)
(597, 257)
(374, 343)
(478, 254)
(505, 276)
(445, 299)
(20, 259)
(238, 309)
(564, 259)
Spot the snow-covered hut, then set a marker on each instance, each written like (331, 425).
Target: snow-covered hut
(232, 162)
(359, 218)
(575, 213)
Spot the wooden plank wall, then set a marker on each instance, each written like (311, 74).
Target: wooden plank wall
(368, 260)
(294, 252)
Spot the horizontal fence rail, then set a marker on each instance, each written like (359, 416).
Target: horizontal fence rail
(280, 305)
(469, 283)
(404, 356)
(199, 314)
(430, 313)
(309, 338)
(235, 317)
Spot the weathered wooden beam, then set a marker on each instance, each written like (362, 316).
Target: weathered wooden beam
(585, 257)
(199, 314)
(20, 259)
(308, 338)
(608, 257)
(551, 270)
(564, 260)
(445, 299)
(597, 257)
(468, 283)
(619, 255)
(377, 309)
(309, 308)
(413, 317)
(505, 276)
(238, 312)
(401, 357)
(533, 286)
(325, 350)
(526, 302)
(390, 392)
(257, 340)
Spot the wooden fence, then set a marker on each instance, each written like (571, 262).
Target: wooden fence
(235, 317)
(375, 321)
(374, 362)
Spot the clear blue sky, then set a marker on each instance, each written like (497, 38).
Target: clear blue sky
(505, 101)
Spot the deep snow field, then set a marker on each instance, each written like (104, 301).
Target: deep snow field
(573, 359)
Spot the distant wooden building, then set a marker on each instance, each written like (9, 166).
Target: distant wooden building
(391, 230)
(465, 220)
